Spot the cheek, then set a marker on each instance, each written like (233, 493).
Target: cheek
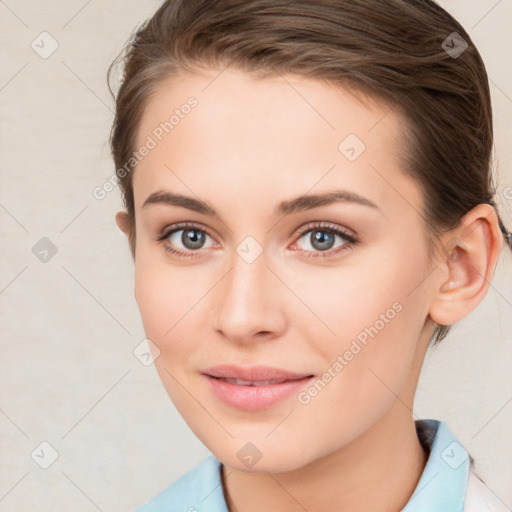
(346, 300)
(166, 297)
(376, 322)
(372, 311)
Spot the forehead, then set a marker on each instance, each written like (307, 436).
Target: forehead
(282, 99)
(283, 131)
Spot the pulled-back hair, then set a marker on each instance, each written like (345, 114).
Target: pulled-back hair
(402, 52)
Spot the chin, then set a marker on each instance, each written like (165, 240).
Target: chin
(264, 460)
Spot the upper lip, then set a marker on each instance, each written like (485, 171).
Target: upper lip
(253, 373)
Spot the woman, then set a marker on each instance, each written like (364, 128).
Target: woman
(309, 205)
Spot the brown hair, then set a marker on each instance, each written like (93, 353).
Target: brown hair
(402, 52)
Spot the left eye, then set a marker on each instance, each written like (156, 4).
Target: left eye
(322, 239)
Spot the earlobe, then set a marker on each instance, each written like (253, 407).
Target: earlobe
(466, 265)
(122, 221)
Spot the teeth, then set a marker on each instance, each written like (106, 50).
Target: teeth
(240, 382)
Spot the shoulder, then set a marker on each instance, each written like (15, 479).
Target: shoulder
(199, 488)
(479, 498)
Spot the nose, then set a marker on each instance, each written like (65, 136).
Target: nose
(247, 302)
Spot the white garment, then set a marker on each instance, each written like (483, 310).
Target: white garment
(479, 498)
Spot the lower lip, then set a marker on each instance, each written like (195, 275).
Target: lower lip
(255, 398)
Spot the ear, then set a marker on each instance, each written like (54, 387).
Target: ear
(122, 221)
(466, 265)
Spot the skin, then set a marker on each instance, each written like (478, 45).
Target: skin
(248, 145)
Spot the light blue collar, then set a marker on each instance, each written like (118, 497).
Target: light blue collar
(443, 483)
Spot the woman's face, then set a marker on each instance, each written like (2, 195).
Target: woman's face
(334, 288)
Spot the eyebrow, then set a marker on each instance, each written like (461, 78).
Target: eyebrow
(298, 204)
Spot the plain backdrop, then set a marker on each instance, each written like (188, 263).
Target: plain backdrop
(73, 394)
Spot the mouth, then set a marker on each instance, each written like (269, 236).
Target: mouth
(256, 388)
(254, 374)
(240, 382)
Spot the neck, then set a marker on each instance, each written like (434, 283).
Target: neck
(377, 471)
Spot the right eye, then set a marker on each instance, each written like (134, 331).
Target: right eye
(184, 239)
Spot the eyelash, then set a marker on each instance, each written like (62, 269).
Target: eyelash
(350, 240)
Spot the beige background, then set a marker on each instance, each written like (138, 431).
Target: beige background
(68, 374)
